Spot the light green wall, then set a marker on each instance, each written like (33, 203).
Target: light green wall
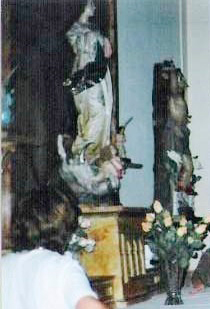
(148, 32)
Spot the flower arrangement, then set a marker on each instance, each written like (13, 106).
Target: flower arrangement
(79, 241)
(174, 237)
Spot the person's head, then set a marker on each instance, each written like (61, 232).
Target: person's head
(45, 218)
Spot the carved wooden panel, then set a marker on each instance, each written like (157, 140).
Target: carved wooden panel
(119, 250)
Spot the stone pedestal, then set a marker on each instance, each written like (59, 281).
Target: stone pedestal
(119, 251)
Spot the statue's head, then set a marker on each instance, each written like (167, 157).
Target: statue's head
(86, 7)
(90, 8)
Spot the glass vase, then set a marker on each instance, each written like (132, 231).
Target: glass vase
(174, 276)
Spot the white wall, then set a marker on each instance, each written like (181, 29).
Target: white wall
(198, 76)
(197, 70)
(148, 32)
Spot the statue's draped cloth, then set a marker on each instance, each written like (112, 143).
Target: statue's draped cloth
(93, 89)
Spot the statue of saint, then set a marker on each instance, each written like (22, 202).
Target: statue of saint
(93, 167)
(91, 85)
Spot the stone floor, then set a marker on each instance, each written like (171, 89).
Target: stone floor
(198, 301)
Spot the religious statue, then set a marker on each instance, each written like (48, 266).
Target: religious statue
(173, 160)
(91, 85)
(176, 132)
(93, 166)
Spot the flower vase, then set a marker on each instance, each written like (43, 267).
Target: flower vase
(174, 276)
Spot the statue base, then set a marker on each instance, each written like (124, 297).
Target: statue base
(110, 199)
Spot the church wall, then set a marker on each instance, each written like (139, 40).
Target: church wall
(148, 32)
(197, 70)
(198, 75)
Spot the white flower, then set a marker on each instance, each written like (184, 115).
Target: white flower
(166, 214)
(83, 242)
(181, 231)
(90, 245)
(150, 217)
(157, 207)
(183, 221)
(146, 226)
(167, 221)
(174, 156)
(84, 223)
(207, 219)
(74, 239)
(200, 229)
(190, 240)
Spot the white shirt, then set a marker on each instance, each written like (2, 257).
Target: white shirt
(42, 279)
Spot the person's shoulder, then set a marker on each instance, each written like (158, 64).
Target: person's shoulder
(70, 262)
(8, 256)
(43, 254)
(54, 257)
(68, 258)
(10, 259)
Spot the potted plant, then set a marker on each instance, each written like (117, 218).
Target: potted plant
(175, 239)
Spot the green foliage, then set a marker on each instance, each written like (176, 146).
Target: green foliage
(197, 244)
(173, 236)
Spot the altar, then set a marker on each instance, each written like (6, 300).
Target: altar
(118, 257)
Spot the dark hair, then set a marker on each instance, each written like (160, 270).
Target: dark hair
(45, 218)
